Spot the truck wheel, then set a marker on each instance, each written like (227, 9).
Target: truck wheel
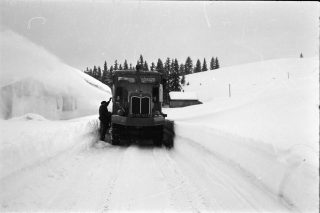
(158, 136)
(168, 134)
(115, 140)
(158, 142)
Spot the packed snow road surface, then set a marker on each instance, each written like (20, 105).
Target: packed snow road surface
(109, 178)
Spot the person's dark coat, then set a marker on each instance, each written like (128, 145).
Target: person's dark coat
(105, 118)
(104, 115)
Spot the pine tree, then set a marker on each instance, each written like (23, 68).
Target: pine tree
(125, 65)
(145, 66)
(104, 77)
(87, 71)
(217, 63)
(176, 66)
(167, 67)
(110, 73)
(183, 80)
(153, 67)
(198, 66)
(166, 71)
(212, 64)
(141, 61)
(171, 67)
(182, 69)
(159, 66)
(95, 72)
(188, 66)
(130, 66)
(105, 66)
(174, 79)
(99, 73)
(301, 56)
(116, 65)
(139, 66)
(204, 65)
(120, 67)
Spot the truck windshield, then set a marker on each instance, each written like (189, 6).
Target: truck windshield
(148, 80)
(128, 79)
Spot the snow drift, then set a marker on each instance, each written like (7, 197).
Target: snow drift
(35, 81)
(31, 139)
(268, 128)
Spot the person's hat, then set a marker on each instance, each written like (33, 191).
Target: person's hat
(103, 102)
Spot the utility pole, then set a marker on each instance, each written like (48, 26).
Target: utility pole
(229, 90)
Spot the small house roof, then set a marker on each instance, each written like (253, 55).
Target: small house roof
(183, 96)
(134, 72)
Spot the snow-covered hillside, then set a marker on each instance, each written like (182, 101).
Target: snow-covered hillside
(33, 80)
(252, 79)
(265, 103)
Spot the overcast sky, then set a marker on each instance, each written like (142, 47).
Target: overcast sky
(85, 33)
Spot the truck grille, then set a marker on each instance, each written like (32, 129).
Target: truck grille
(145, 105)
(140, 106)
(135, 103)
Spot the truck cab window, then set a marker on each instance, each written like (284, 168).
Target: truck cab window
(119, 91)
(155, 94)
(121, 94)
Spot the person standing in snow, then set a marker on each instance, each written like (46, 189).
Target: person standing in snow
(104, 117)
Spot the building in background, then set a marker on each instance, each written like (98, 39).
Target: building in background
(182, 99)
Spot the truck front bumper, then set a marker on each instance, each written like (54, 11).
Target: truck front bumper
(128, 121)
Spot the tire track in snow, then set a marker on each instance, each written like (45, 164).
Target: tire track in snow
(183, 195)
(225, 174)
(112, 183)
(74, 181)
(83, 185)
(219, 179)
(140, 185)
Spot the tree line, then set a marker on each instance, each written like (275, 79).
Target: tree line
(173, 72)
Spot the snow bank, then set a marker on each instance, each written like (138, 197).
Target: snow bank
(34, 81)
(286, 176)
(269, 127)
(31, 139)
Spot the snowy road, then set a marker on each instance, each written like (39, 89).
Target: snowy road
(107, 178)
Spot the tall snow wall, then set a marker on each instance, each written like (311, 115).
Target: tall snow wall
(35, 81)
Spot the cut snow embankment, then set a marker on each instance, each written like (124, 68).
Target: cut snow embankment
(268, 128)
(35, 81)
(28, 140)
(37, 86)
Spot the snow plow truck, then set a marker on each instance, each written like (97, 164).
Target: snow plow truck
(137, 109)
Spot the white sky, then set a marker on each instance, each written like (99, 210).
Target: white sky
(85, 33)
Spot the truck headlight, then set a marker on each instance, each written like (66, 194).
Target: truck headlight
(120, 112)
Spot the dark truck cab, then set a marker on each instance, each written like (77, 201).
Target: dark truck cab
(137, 108)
